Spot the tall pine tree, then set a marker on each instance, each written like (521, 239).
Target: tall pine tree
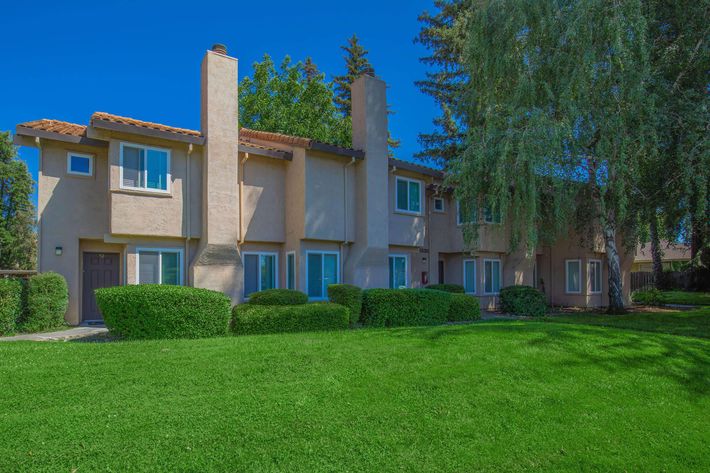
(18, 240)
(356, 64)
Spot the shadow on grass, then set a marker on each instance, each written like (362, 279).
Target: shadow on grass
(684, 360)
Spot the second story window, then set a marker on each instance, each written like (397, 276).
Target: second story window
(464, 215)
(80, 164)
(490, 215)
(145, 168)
(409, 195)
(438, 204)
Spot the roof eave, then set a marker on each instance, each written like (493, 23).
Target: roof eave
(50, 135)
(150, 132)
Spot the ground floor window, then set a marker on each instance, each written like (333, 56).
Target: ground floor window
(573, 276)
(322, 269)
(469, 276)
(491, 276)
(291, 270)
(159, 266)
(595, 276)
(398, 271)
(260, 270)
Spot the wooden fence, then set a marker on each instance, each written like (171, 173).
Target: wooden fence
(642, 281)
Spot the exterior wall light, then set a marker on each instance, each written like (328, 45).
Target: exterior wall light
(58, 251)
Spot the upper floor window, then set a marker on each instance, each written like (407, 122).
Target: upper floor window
(490, 215)
(80, 164)
(145, 168)
(464, 215)
(409, 195)
(439, 204)
(159, 266)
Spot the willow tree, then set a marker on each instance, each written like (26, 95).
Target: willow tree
(560, 119)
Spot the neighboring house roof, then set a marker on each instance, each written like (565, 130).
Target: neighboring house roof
(414, 167)
(300, 142)
(671, 252)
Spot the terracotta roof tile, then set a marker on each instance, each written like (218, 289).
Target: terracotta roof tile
(56, 126)
(277, 137)
(143, 124)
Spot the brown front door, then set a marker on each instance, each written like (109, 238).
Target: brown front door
(100, 270)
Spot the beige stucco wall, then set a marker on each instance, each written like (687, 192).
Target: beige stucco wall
(263, 198)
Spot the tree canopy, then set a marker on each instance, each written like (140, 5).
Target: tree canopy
(18, 240)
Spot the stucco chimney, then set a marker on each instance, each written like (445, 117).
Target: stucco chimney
(366, 265)
(217, 264)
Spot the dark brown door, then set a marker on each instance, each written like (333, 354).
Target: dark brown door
(100, 270)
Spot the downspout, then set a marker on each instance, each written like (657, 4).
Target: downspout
(241, 200)
(346, 241)
(427, 229)
(38, 142)
(186, 205)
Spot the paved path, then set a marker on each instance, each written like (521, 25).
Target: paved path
(61, 335)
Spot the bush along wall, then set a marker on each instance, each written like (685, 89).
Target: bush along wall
(454, 288)
(401, 307)
(318, 316)
(278, 297)
(523, 300)
(464, 308)
(349, 296)
(160, 311)
(46, 301)
(10, 304)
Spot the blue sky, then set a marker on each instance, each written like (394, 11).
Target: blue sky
(141, 59)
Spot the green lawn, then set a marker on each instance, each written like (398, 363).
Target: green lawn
(495, 396)
(691, 323)
(685, 297)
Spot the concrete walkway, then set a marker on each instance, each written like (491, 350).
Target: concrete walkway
(72, 333)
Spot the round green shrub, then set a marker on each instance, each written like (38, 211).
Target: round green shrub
(47, 298)
(153, 311)
(454, 288)
(652, 297)
(255, 319)
(464, 308)
(10, 304)
(523, 300)
(349, 296)
(401, 307)
(278, 297)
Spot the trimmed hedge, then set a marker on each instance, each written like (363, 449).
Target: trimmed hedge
(47, 298)
(10, 304)
(278, 297)
(464, 308)
(523, 300)
(153, 311)
(454, 288)
(318, 316)
(349, 296)
(652, 297)
(400, 307)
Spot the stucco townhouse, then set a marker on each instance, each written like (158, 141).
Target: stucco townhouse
(125, 201)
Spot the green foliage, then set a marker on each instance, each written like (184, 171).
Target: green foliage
(47, 298)
(349, 296)
(464, 308)
(400, 307)
(293, 99)
(10, 304)
(278, 297)
(318, 316)
(523, 300)
(18, 240)
(652, 297)
(161, 311)
(455, 288)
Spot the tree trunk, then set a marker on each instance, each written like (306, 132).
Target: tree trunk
(616, 299)
(656, 254)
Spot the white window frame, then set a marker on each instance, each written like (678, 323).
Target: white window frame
(589, 274)
(443, 205)
(160, 252)
(475, 274)
(406, 266)
(325, 289)
(168, 176)
(567, 289)
(500, 276)
(258, 271)
(421, 196)
(291, 254)
(80, 155)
